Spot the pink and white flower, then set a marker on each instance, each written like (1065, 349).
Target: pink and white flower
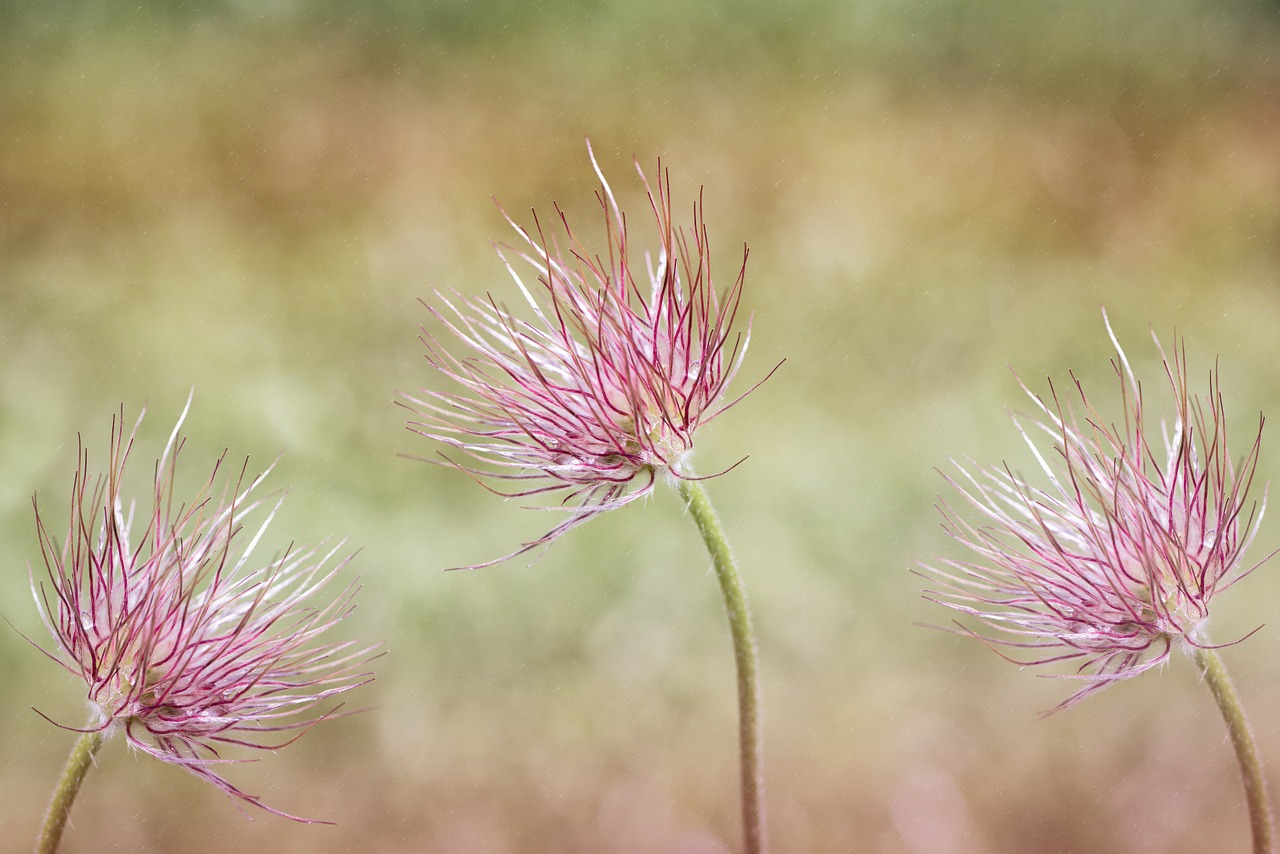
(1112, 558)
(598, 391)
(187, 641)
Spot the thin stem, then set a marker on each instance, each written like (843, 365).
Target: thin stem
(1255, 785)
(744, 653)
(55, 820)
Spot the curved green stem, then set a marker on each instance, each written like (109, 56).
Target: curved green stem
(1255, 785)
(744, 652)
(55, 820)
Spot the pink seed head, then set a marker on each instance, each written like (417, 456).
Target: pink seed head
(600, 391)
(186, 640)
(1114, 560)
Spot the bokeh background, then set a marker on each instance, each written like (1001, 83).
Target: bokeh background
(248, 199)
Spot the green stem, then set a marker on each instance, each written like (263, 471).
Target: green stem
(744, 653)
(55, 820)
(1255, 785)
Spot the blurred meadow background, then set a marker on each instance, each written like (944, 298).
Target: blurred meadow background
(248, 199)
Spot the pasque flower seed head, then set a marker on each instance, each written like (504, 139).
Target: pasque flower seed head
(1112, 557)
(597, 390)
(187, 641)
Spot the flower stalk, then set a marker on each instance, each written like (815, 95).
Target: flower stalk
(596, 391)
(1224, 693)
(1112, 559)
(64, 794)
(750, 743)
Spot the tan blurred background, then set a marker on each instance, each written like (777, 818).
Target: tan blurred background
(249, 199)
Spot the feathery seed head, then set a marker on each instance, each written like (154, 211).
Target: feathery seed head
(1114, 561)
(600, 391)
(186, 640)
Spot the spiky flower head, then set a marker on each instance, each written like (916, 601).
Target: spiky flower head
(599, 390)
(1113, 559)
(187, 641)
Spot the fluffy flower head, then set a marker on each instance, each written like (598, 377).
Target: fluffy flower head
(186, 640)
(599, 389)
(1113, 561)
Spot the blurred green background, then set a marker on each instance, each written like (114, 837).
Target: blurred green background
(249, 198)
